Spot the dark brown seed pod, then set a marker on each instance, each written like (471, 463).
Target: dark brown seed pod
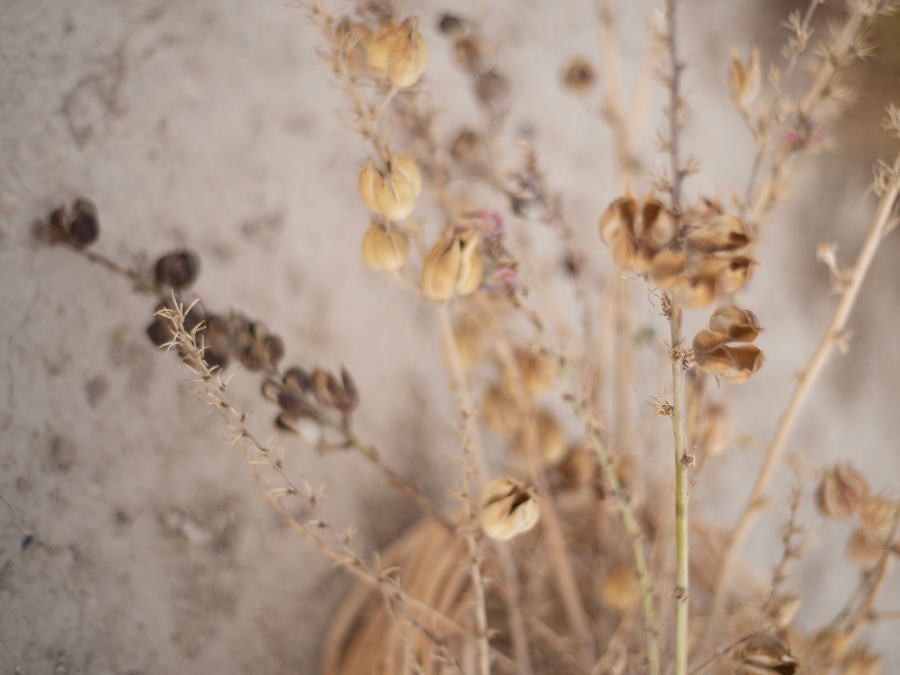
(451, 24)
(297, 379)
(492, 88)
(252, 357)
(272, 389)
(274, 349)
(178, 270)
(59, 223)
(84, 228)
(216, 359)
(350, 390)
(159, 332)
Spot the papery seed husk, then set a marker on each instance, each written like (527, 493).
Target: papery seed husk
(440, 269)
(724, 234)
(380, 47)
(383, 250)
(864, 549)
(409, 57)
(840, 491)
(368, 178)
(617, 230)
(471, 265)
(735, 274)
(402, 166)
(499, 412)
(507, 509)
(740, 325)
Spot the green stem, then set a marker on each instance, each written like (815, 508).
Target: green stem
(682, 462)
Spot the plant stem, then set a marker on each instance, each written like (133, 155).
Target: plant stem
(682, 460)
(806, 382)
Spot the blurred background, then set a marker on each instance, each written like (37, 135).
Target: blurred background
(131, 540)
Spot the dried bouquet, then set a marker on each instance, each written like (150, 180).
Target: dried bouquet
(565, 552)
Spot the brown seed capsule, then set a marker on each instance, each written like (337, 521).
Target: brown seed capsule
(467, 148)
(765, 654)
(297, 380)
(453, 265)
(274, 349)
(859, 661)
(841, 490)
(499, 412)
(621, 588)
(537, 370)
(451, 25)
(714, 351)
(492, 88)
(177, 270)
(385, 248)
(864, 549)
(160, 332)
(635, 236)
(577, 469)
(508, 509)
(469, 53)
(579, 78)
(84, 227)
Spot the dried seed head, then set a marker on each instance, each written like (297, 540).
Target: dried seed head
(499, 412)
(453, 265)
(766, 655)
(177, 270)
(864, 549)
(469, 345)
(367, 179)
(634, 236)
(537, 371)
(385, 248)
(84, 228)
(714, 352)
(783, 609)
(577, 469)
(743, 79)
(508, 509)
(621, 588)
(492, 88)
(551, 438)
(469, 52)
(579, 78)
(409, 57)
(878, 515)
(467, 148)
(451, 25)
(393, 198)
(160, 331)
(841, 490)
(859, 661)
(723, 234)
(381, 46)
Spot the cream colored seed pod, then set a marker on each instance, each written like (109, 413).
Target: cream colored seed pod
(550, 437)
(469, 344)
(409, 58)
(621, 588)
(537, 371)
(385, 250)
(508, 509)
(367, 180)
(841, 490)
(395, 198)
(453, 265)
(381, 45)
(864, 549)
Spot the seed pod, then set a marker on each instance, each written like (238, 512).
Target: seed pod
(577, 469)
(272, 389)
(878, 515)
(385, 249)
(468, 344)
(499, 412)
(765, 654)
(274, 349)
(841, 490)
(160, 332)
(409, 57)
(743, 80)
(551, 438)
(492, 88)
(297, 380)
(396, 199)
(215, 359)
(381, 46)
(579, 77)
(469, 53)
(451, 25)
(84, 228)
(508, 509)
(783, 609)
(714, 352)
(467, 148)
(453, 265)
(859, 661)
(621, 588)
(723, 234)
(864, 549)
(177, 270)
(537, 371)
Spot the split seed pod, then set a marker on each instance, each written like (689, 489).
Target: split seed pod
(395, 197)
(766, 655)
(841, 490)
(385, 249)
(453, 265)
(634, 237)
(621, 588)
(398, 53)
(508, 509)
(714, 351)
(743, 79)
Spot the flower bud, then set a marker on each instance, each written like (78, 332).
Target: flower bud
(453, 265)
(621, 588)
(385, 249)
(841, 490)
(508, 509)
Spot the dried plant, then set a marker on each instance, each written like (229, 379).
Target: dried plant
(565, 554)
